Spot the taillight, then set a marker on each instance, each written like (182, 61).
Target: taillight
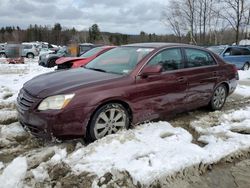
(236, 72)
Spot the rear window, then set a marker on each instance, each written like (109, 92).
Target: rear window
(27, 46)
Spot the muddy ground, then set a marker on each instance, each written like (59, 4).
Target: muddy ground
(233, 171)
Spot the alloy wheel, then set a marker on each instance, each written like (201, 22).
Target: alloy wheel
(109, 122)
(219, 97)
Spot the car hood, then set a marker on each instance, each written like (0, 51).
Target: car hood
(59, 82)
(67, 59)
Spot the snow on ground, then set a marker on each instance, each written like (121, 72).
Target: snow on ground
(14, 173)
(244, 75)
(12, 78)
(243, 88)
(147, 152)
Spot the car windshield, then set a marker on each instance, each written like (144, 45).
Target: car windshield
(92, 52)
(216, 49)
(120, 60)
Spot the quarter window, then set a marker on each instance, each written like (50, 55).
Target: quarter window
(170, 59)
(198, 58)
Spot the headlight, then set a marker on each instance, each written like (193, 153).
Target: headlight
(56, 102)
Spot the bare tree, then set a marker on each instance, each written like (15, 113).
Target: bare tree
(173, 18)
(233, 12)
(181, 16)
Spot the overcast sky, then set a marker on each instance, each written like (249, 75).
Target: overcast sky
(124, 16)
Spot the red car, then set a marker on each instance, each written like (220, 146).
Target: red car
(75, 62)
(123, 87)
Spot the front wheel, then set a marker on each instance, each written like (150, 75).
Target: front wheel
(108, 119)
(3, 55)
(219, 97)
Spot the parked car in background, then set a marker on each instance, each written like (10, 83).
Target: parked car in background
(13, 52)
(48, 60)
(75, 62)
(237, 55)
(79, 49)
(29, 50)
(125, 86)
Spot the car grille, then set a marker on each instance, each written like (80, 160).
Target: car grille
(24, 101)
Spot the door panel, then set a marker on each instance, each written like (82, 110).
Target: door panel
(202, 75)
(162, 94)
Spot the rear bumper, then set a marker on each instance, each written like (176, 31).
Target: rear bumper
(232, 85)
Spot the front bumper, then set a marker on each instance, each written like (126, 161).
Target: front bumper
(58, 123)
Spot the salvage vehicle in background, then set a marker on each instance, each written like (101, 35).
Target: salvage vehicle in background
(14, 52)
(237, 55)
(123, 87)
(29, 50)
(48, 60)
(75, 62)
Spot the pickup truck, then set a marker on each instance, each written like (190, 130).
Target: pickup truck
(237, 55)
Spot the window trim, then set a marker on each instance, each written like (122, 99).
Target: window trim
(157, 52)
(186, 60)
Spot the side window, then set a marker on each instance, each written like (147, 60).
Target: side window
(170, 59)
(245, 51)
(198, 58)
(236, 51)
(227, 52)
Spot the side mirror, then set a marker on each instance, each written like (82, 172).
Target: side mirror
(226, 54)
(151, 70)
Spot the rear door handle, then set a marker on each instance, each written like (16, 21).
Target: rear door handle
(215, 73)
(181, 79)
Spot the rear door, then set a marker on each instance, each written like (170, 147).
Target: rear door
(163, 93)
(201, 71)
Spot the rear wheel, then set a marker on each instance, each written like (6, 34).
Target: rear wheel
(245, 66)
(108, 119)
(219, 97)
(30, 55)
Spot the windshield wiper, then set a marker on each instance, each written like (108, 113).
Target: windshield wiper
(100, 70)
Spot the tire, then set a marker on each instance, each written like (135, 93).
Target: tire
(245, 66)
(52, 63)
(3, 55)
(218, 98)
(30, 55)
(108, 119)
(42, 64)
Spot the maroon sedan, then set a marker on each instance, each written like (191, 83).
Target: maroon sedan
(125, 86)
(76, 62)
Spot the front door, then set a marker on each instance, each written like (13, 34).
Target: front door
(162, 94)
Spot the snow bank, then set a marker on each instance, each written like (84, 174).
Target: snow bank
(14, 173)
(148, 152)
(230, 136)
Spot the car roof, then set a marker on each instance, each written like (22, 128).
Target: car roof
(239, 47)
(159, 45)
